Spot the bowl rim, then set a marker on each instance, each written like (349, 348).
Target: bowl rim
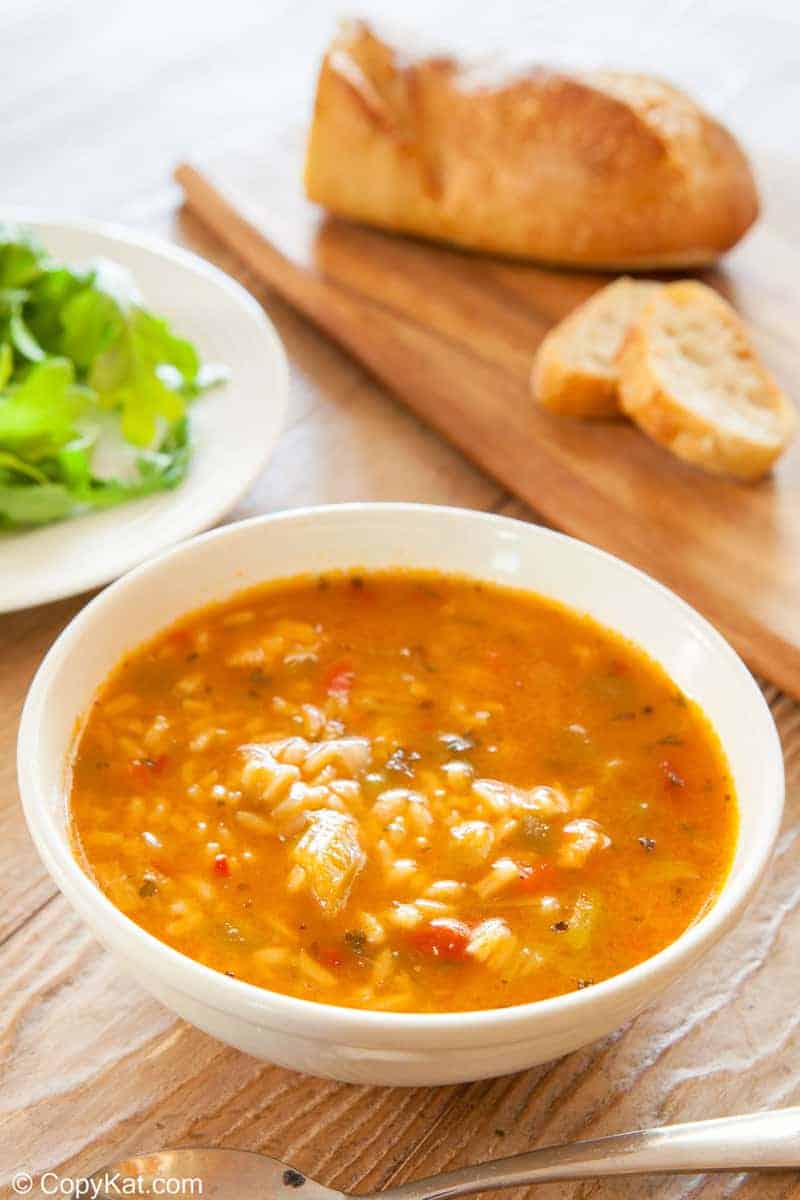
(326, 1022)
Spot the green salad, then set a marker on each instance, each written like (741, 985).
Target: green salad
(94, 388)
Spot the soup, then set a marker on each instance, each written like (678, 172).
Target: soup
(402, 791)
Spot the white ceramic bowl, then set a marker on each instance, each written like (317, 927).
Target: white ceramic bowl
(375, 1047)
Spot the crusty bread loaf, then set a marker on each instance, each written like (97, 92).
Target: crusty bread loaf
(600, 169)
(690, 378)
(575, 370)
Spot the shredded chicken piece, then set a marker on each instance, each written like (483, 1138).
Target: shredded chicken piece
(583, 837)
(472, 842)
(331, 856)
(505, 798)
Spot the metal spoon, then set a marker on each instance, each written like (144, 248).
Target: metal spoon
(755, 1142)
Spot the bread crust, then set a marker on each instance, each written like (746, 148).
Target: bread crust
(564, 388)
(602, 169)
(666, 415)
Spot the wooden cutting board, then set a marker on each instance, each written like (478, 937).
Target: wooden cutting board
(454, 334)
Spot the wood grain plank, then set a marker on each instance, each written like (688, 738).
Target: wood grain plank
(89, 1066)
(24, 639)
(345, 438)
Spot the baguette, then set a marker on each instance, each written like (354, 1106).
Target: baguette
(690, 378)
(575, 370)
(591, 169)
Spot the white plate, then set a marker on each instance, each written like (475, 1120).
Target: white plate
(234, 427)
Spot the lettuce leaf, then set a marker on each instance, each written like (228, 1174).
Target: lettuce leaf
(76, 354)
(132, 376)
(38, 415)
(22, 258)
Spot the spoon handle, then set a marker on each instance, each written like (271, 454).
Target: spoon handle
(757, 1141)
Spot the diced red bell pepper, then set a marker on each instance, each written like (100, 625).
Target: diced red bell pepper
(444, 938)
(144, 770)
(329, 957)
(338, 679)
(537, 877)
(221, 866)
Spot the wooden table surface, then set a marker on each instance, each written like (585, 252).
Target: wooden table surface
(99, 101)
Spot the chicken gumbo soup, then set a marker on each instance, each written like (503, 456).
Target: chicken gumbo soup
(402, 791)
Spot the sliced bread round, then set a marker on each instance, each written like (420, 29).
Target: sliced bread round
(691, 379)
(575, 370)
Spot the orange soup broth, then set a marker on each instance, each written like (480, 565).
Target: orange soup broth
(599, 782)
